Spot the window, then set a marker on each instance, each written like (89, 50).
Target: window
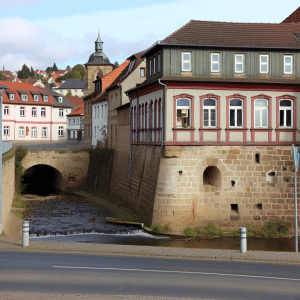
(288, 64)
(21, 132)
(186, 62)
(260, 113)
(70, 121)
(61, 91)
(239, 63)
(102, 110)
(158, 63)
(11, 96)
(98, 111)
(61, 112)
(60, 99)
(22, 111)
(209, 113)
(77, 121)
(95, 108)
(142, 72)
(45, 98)
(153, 65)
(215, 62)
(60, 131)
(25, 97)
(285, 113)
(6, 110)
(44, 132)
(82, 91)
(75, 91)
(150, 69)
(43, 112)
(6, 130)
(236, 112)
(183, 107)
(36, 97)
(264, 64)
(33, 111)
(33, 132)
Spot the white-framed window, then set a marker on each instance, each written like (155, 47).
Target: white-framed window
(77, 121)
(183, 112)
(6, 130)
(215, 62)
(70, 121)
(36, 97)
(61, 112)
(288, 64)
(236, 112)
(150, 67)
(44, 132)
(33, 132)
(263, 63)
(98, 115)
(186, 65)
(33, 111)
(142, 72)
(76, 91)
(24, 97)
(209, 112)
(43, 112)
(60, 99)
(11, 97)
(158, 63)
(102, 111)
(60, 131)
(6, 110)
(285, 113)
(61, 92)
(154, 65)
(239, 63)
(22, 111)
(95, 108)
(45, 98)
(21, 131)
(261, 113)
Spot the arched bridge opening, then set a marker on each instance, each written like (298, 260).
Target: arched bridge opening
(42, 180)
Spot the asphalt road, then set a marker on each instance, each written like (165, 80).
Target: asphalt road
(146, 276)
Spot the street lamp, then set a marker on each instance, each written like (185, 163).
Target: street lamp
(2, 91)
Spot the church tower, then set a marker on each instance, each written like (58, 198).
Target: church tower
(97, 65)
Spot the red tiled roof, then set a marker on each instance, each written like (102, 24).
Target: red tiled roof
(293, 18)
(78, 110)
(58, 84)
(15, 86)
(75, 100)
(265, 35)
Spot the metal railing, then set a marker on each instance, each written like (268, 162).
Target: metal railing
(54, 145)
(6, 146)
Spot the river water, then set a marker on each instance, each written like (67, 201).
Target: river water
(69, 219)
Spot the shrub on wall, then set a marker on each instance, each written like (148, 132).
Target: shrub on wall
(20, 154)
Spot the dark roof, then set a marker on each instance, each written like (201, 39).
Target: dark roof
(22, 92)
(73, 84)
(98, 60)
(253, 35)
(65, 103)
(294, 17)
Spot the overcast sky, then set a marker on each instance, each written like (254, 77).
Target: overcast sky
(41, 32)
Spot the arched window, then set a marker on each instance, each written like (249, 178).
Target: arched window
(285, 113)
(236, 112)
(209, 112)
(183, 112)
(261, 113)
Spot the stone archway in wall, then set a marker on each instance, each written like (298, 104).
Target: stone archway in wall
(42, 180)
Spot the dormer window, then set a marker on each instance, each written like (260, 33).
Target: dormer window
(186, 62)
(288, 64)
(45, 98)
(215, 62)
(24, 97)
(36, 97)
(60, 99)
(11, 97)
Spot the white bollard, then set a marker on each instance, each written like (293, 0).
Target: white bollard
(25, 234)
(243, 239)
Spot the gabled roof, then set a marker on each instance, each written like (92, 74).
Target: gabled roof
(20, 88)
(253, 35)
(76, 101)
(294, 17)
(78, 110)
(73, 84)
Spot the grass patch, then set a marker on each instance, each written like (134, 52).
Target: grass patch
(160, 228)
(209, 230)
(19, 214)
(3, 233)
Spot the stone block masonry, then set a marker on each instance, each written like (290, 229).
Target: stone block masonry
(229, 186)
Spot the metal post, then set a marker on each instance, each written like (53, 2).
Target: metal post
(25, 234)
(296, 217)
(243, 239)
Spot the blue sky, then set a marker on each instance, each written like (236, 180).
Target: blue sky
(41, 32)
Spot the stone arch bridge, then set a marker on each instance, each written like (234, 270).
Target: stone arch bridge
(69, 167)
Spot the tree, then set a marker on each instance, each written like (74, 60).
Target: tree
(32, 74)
(49, 70)
(54, 68)
(78, 68)
(68, 67)
(24, 73)
(116, 64)
(69, 93)
(1, 76)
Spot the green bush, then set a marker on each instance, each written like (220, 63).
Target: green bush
(160, 228)
(19, 170)
(190, 232)
(276, 228)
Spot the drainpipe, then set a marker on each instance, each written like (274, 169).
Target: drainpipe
(130, 139)
(2, 91)
(163, 112)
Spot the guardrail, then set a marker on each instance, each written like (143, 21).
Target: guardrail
(6, 146)
(54, 145)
